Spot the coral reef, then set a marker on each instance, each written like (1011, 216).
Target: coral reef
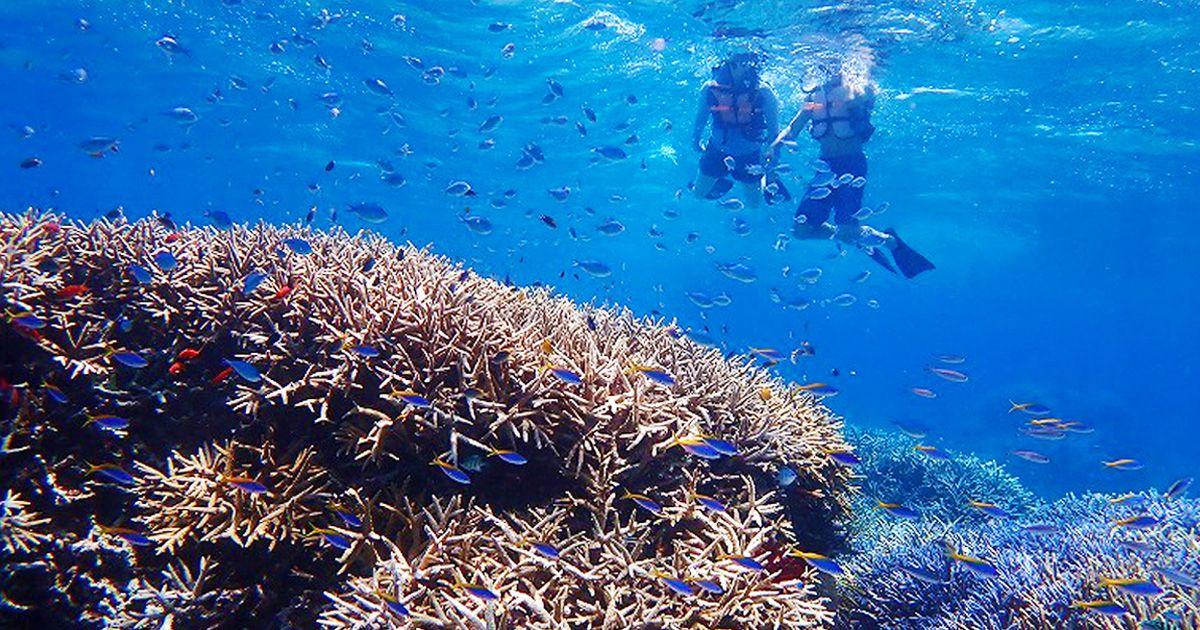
(211, 427)
(1048, 558)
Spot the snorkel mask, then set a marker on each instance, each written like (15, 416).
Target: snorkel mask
(723, 75)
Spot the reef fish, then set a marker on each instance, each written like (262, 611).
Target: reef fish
(677, 585)
(899, 511)
(594, 268)
(710, 503)
(954, 376)
(412, 398)
(244, 370)
(1104, 607)
(979, 567)
(698, 447)
(746, 562)
(369, 212)
(1031, 456)
(709, 586)
(822, 563)
(1134, 586)
(298, 246)
(991, 509)
(1141, 521)
(921, 575)
(547, 550)
(129, 359)
(130, 536)
(140, 274)
(1031, 408)
(567, 376)
(482, 592)
(245, 484)
(1178, 488)
(107, 421)
(644, 502)
(932, 452)
(252, 281)
(165, 260)
(1124, 464)
(113, 472)
(509, 457)
(843, 458)
(657, 375)
(454, 473)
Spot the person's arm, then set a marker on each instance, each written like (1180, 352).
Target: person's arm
(771, 118)
(793, 128)
(702, 115)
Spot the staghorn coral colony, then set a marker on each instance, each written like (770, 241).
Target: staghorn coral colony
(276, 427)
(270, 426)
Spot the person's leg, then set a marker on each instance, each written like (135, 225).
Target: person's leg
(751, 184)
(811, 216)
(712, 167)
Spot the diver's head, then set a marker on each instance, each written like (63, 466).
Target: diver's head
(739, 70)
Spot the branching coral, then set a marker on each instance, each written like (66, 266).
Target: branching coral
(286, 392)
(1047, 563)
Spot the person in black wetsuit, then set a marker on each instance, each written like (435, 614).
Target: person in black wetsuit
(838, 117)
(745, 116)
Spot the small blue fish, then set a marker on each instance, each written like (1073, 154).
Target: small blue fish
(1134, 586)
(899, 511)
(366, 352)
(245, 484)
(482, 592)
(822, 563)
(1041, 528)
(710, 503)
(611, 153)
(566, 376)
(698, 447)
(786, 476)
(1143, 521)
(140, 273)
(991, 509)
(932, 452)
(453, 472)
(346, 515)
(1104, 607)
(219, 218)
(28, 321)
(679, 586)
(130, 359)
(394, 605)
(710, 586)
(113, 472)
(298, 246)
(547, 550)
(108, 421)
(1178, 489)
(746, 562)
(509, 457)
(724, 447)
(411, 398)
(252, 281)
(843, 458)
(333, 538)
(655, 374)
(55, 394)
(130, 536)
(644, 502)
(1179, 578)
(165, 260)
(244, 370)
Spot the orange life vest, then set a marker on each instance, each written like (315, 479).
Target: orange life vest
(741, 110)
(835, 109)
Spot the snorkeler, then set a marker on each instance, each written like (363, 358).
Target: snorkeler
(839, 117)
(744, 114)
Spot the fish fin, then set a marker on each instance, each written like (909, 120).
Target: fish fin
(910, 263)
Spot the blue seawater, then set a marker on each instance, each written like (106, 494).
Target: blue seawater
(1044, 155)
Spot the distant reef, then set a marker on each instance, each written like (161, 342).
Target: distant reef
(269, 426)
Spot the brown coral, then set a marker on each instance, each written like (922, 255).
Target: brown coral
(363, 335)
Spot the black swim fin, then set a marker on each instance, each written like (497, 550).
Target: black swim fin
(780, 195)
(878, 256)
(907, 259)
